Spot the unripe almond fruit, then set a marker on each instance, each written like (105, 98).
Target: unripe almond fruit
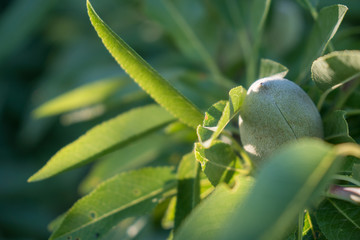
(276, 111)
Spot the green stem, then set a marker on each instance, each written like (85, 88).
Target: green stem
(314, 15)
(326, 93)
(300, 225)
(198, 46)
(247, 161)
(313, 11)
(241, 29)
(352, 112)
(322, 98)
(344, 95)
(253, 63)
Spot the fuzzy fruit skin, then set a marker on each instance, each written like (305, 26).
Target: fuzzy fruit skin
(276, 111)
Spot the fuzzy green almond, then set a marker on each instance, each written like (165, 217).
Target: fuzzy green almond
(276, 111)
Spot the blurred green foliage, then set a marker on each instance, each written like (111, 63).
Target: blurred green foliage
(49, 47)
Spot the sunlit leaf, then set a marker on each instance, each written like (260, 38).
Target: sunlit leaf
(308, 228)
(130, 157)
(270, 68)
(168, 219)
(80, 97)
(105, 138)
(339, 220)
(219, 115)
(219, 162)
(144, 75)
(336, 68)
(55, 224)
(125, 195)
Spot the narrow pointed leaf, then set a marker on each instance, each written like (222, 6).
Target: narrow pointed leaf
(80, 97)
(310, 5)
(130, 157)
(270, 68)
(55, 223)
(19, 21)
(125, 195)
(188, 194)
(290, 180)
(210, 216)
(184, 21)
(339, 220)
(219, 162)
(105, 138)
(144, 75)
(324, 29)
(219, 115)
(259, 12)
(335, 69)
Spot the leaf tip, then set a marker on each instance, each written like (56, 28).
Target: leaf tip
(38, 176)
(89, 7)
(32, 179)
(38, 113)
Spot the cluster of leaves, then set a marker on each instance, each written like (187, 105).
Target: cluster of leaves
(214, 192)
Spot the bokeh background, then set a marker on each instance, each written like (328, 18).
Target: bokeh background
(48, 47)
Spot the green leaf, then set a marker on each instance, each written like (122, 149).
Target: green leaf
(311, 6)
(229, 11)
(219, 115)
(259, 11)
(19, 21)
(210, 216)
(168, 219)
(291, 179)
(105, 138)
(336, 129)
(125, 195)
(270, 68)
(55, 223)
(339, 220)
(308, 228)
(188, 193)
(144, 75)
(334, 70)
(179, 18)
(132, 156)
(219, 162)
(324, 29)
(356, 171)
(212, 116)
(83, 96)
